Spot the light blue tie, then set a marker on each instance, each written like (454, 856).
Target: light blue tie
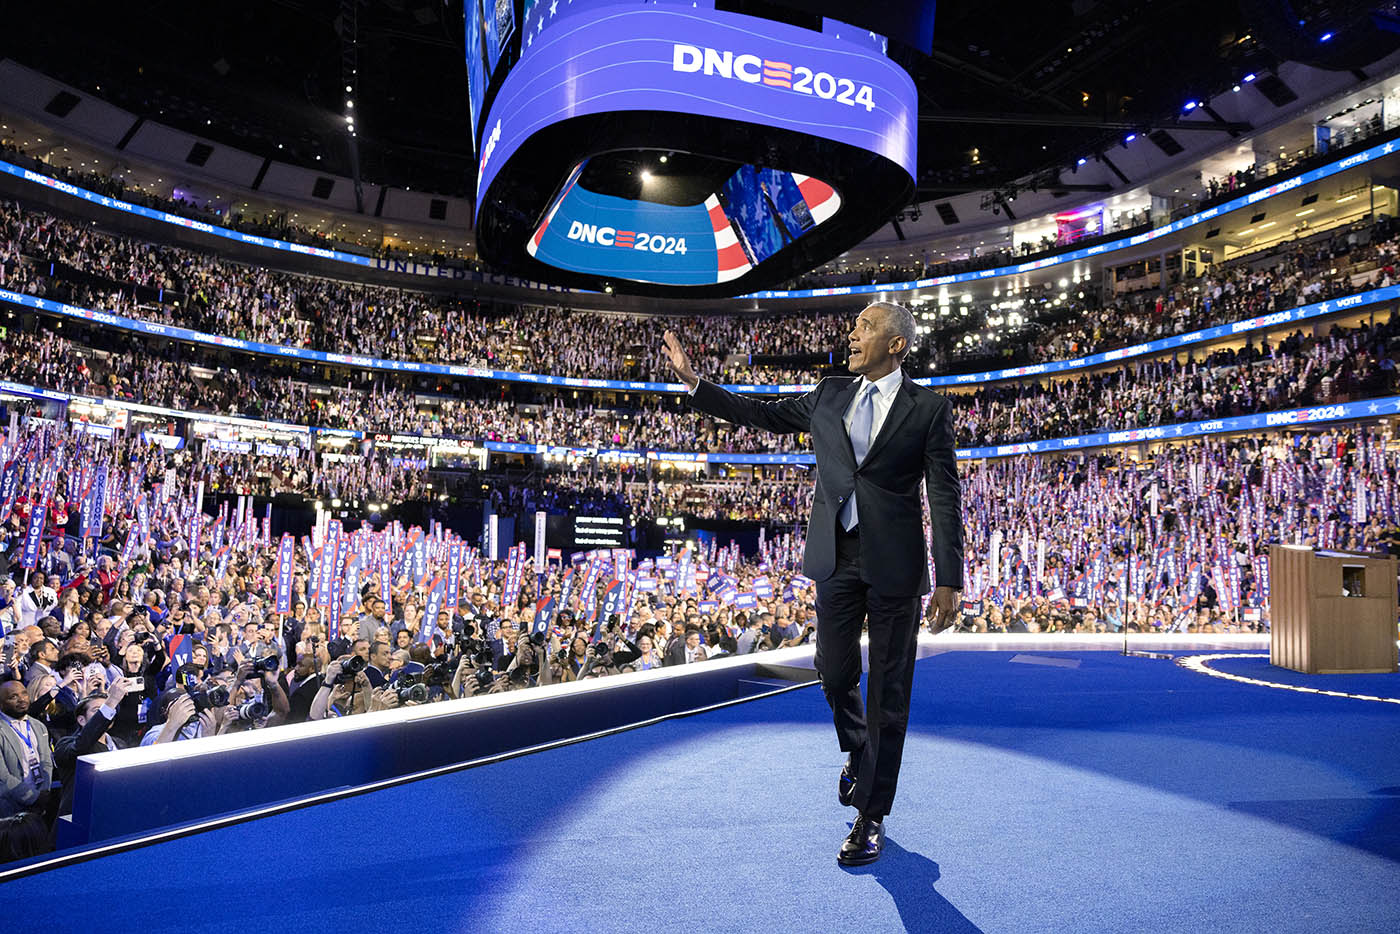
(861, 420)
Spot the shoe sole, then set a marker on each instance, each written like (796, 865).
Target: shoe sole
(857, 860)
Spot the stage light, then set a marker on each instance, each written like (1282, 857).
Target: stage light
(646, 176)
(1130, 138)
(1249, 77)
(335, 503)
(663, 160)
(1326, 36)
(1236, 89)
(1191, 105)
(1082, 161)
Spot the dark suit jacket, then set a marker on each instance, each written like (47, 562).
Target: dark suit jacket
(675, 652)
(914, 444)
(67, 750)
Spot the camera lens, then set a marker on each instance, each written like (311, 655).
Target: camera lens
(252, 710)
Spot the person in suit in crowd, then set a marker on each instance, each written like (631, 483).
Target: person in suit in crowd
(25, 755)
(877, 435)
(95, 716)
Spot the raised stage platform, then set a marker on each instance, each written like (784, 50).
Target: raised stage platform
(1043, 790)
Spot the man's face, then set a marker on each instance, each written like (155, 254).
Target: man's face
(692, 640)
(379, 657)
(362, 649)
(49, 654)
(14, 699)
(872, 342)
(402, 638)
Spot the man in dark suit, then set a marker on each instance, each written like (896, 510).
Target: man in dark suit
(95, 715)
(876, 436)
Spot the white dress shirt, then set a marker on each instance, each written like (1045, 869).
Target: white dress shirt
(885, 389)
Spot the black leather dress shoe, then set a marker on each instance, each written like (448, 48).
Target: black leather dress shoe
(864, 843)
(846, 787)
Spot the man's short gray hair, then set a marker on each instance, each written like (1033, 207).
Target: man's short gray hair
(899, 320)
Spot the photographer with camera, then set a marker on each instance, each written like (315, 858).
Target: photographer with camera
(577, 661)
(189, 711)
(257, 694)
(344, 690)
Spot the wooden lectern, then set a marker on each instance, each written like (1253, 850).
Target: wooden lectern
(1331, 611)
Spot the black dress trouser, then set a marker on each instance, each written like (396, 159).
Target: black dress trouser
(844, 602)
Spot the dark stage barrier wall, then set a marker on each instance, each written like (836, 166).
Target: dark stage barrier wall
(138, 791)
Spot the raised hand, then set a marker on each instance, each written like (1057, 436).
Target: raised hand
(679, 361)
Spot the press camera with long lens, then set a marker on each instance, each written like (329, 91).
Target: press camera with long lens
(349, 668)
(251, 711)
(208, 698)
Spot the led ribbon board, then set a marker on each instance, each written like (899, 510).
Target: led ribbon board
(762, 94)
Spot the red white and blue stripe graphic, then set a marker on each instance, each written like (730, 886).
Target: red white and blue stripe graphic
(732, 261)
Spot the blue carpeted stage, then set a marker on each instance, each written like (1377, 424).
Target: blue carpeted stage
(1041, 791)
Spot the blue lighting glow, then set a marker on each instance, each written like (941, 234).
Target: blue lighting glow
(1326, 36)
(1191, 105)
(1249, 77)
(1131, 137)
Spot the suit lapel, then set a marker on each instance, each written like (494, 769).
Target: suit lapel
(841, 402)
(10, 738)
(899, 410)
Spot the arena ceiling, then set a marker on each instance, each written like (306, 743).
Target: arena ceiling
(1007, 90)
